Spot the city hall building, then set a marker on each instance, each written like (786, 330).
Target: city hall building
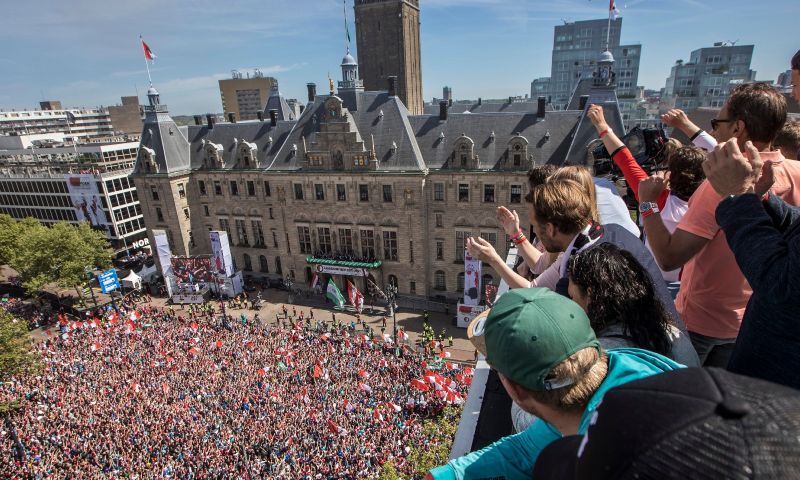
(356, 186)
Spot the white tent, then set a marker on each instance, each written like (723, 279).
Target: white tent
(132, 281)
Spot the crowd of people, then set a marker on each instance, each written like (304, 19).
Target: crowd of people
(710, 288)
(147, 393)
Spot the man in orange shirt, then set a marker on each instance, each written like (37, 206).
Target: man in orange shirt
(714, 293)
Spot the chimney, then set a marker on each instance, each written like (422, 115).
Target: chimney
(211, 119)
(302, 108)
(273, 117)
(540, 107)
(260, 116)
(312, 91)
(510, 99)
(231, 117)
(480, 101)
(584, 99)
(198, 119)
(443, 110)
(392, 85)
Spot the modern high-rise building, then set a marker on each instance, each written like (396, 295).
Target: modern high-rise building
(81, 124)
(576, 48)
(245, 95)
(53, 181)
(387, 34)
(707, 78)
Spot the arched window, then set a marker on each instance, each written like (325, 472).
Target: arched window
(518, 152)
(460, 282)
(248, 266)
(464, 153)
(278, 269)
(262, 261)
(439, 282)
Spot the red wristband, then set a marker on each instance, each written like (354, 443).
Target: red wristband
(604, 132)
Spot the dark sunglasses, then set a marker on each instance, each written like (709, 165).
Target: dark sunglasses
(716, 121)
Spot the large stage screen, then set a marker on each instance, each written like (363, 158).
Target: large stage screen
(192, 269)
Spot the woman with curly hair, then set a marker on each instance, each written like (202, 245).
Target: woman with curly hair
(617, 295)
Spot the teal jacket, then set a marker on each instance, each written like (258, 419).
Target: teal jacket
(513, 457)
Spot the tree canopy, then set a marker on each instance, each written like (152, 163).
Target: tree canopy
(60, 253)
(16, 350)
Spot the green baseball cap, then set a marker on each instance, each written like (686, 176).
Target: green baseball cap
(529, 331)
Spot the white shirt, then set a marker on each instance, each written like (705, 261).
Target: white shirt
(672, 213)
(611, 206)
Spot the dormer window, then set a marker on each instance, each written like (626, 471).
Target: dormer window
(464, 153)
(213, 156)
(148, 156)
(247, 153)
(518, 152)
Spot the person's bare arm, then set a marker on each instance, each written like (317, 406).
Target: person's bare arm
(677, 118)
(671, 250)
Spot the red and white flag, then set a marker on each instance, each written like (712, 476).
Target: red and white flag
(377, 415)
(148, 53)
(393, 406)
(402, 335)
(612, 10)
(334, 428)
(135, 316)
(420, 385)
(348, 406)
(314, 281)
(95, 347)
(356, 299)
(365, 387)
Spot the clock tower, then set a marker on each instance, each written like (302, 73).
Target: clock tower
(387, 36)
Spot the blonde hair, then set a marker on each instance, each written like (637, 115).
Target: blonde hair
(564, 203)
(583, 177)
(587, 368)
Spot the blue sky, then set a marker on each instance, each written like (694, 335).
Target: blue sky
(86, 52)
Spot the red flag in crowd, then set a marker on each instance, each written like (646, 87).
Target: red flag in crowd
(365, 387)
(393, 406)
(317, 371)
(420, 385)
(95, 347)
(334, 428)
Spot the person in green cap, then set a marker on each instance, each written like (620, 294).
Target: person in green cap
(552, 366)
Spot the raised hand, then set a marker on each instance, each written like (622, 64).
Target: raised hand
(481, 249)
(730, 172)
(508, 219)
(597, 117)
(650, 188)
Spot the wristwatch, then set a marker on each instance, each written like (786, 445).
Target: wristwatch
(648, 208)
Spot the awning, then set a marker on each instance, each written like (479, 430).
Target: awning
(344, 263)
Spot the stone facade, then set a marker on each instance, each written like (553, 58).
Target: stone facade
(388, 39)
(354, 178)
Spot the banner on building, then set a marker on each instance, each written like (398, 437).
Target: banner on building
(338, 270)
(467, 313)
(221, 253)
(164, 255)
(356, 298)
(86, 199)
(472, 279)
(192, 269)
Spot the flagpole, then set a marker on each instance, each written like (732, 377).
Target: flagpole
(608, 29)
(346, 32)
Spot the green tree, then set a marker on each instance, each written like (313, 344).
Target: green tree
(59, 254)
(17, 357)
(440, 431)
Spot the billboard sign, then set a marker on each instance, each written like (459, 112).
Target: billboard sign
(108, 281)
(86, 199)
(338, 270)
(221, 253)
(164, 255)
(467, 313)
(472, 279)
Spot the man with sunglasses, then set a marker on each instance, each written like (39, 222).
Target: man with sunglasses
(714, 292)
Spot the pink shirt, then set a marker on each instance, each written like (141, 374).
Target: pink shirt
(714, 293)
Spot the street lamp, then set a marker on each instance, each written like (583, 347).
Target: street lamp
(287, 282)
(391, 295)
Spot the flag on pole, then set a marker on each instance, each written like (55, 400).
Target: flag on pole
(612, 10)
(148, 53)
(356, 299)
(334, 295)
